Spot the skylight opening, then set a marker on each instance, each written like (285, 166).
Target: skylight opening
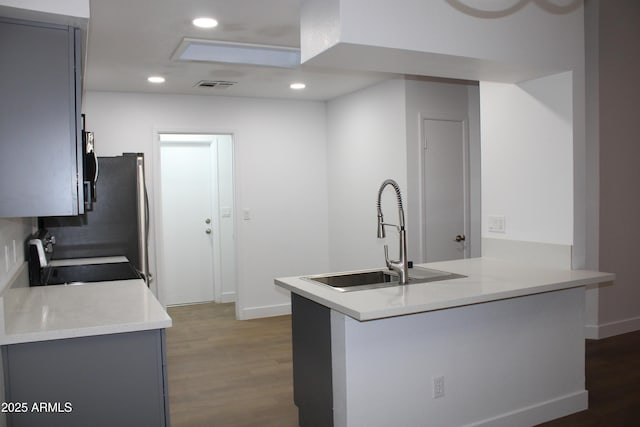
(237, 53)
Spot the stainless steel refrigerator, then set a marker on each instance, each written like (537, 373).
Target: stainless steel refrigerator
(117, 224)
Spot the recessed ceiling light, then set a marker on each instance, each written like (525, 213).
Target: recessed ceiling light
(155, 79)
(297, 86)
(205, 22)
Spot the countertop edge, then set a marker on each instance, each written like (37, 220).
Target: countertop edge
(316, 298)
(38, 336)
(300, 286)
(470, 301)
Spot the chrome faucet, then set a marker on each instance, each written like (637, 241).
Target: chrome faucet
(400, 266)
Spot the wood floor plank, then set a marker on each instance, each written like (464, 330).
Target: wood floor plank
(613, 381)
(225, 372)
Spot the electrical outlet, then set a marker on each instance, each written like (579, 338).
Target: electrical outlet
(438, 387)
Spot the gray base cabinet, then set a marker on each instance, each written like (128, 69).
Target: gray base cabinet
(312, 368)
(40, 136)
(105, 380)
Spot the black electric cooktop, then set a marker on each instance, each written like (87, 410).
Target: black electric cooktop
(58, 275)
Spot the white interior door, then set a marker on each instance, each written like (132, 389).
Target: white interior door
(187, 223)
(446, 198)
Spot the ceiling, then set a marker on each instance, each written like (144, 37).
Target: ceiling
(131, 40)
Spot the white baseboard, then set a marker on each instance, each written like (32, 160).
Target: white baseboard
(228, 297)
(610, 329)
(539, 413)
(264, 311)
(591, 332)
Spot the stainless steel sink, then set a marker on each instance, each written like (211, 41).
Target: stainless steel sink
(374, 279)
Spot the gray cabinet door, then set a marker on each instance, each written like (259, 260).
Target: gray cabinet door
(98, 381)
(39, 107)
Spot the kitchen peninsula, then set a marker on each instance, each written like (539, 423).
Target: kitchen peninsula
(503, 345)
(94, 353)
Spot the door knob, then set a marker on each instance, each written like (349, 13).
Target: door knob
(207, 221)
(460, 238)
(208, 231)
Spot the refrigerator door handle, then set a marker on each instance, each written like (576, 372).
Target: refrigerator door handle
(95, 177)
(143, 219)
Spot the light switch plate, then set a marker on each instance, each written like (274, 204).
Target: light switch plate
(497, 224)
(438, 387)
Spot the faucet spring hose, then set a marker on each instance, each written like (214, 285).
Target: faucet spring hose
(396, 188)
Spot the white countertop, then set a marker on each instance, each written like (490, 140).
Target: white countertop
(66, 311)
(487, 280)
(86, 261)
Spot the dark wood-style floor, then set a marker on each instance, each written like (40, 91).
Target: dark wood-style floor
(224, 372)
(613, 382)
(229, 373)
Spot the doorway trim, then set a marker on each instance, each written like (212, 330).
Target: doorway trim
(464, 120)
(158, 226)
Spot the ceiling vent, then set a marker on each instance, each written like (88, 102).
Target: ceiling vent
(215, 84)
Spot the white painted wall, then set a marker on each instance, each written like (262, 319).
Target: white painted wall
(527, 157)
(321, 23)
(280, 176)
(616, 63)
(366, 145)
(13, 234)
(537, 38)
(440, 38)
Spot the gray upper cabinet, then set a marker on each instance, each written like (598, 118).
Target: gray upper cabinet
(40, 135)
